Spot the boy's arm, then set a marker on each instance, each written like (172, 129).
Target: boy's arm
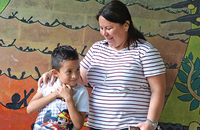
(38, 101)
(77, 117)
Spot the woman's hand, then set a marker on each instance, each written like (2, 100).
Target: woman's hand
(44, 79)
(145, 126)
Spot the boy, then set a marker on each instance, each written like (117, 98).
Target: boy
(65, 104)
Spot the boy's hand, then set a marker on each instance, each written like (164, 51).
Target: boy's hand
(65, 91)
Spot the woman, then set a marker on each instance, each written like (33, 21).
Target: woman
(126, 72)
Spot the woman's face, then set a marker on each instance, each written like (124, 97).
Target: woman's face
(115, 33)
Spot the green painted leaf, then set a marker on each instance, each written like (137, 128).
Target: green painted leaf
(196, 74)
(181, 87)
(195, 84)
(182, 76)
(186, 67)
(186, 97)
(196, 64)
(194, 104)
(191, 56)
(186, 60)
(198, 91)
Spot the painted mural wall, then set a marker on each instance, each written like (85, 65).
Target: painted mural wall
(31, 29)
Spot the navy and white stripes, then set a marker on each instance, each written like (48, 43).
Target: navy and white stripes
(121, 93)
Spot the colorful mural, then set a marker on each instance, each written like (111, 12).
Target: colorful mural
(31, 29)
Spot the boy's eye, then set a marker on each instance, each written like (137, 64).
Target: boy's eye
(69, 71)
(78, 69)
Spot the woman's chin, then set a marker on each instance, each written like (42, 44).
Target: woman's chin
(111, 44)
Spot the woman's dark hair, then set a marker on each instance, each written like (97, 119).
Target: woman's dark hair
(117, 12)
(61, 53)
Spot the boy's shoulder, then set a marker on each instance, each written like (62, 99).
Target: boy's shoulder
(48, 87)
(79, 86)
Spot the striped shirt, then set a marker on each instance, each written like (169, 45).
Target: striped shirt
(121, 93)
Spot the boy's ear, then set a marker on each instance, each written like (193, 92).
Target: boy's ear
(54, 72)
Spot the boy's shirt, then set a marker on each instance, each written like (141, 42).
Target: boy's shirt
(56, 112)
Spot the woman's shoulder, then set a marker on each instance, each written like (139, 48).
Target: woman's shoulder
(145, 47)
(144, 44)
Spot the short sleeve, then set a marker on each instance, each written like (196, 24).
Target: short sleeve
(86, 62)
(152, 62)
(83, 103)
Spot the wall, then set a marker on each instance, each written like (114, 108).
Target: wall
(31, 29)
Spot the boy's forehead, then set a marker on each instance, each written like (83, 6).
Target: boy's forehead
(66, 60)
(70, 63)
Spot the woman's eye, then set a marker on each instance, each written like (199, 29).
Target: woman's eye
(108, 28)
(78, 69)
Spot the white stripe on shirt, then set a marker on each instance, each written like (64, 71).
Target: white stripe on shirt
(121, 93)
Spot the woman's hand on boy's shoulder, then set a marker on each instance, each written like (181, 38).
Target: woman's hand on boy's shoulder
(44, 79)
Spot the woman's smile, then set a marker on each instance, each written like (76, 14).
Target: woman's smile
(114, 33)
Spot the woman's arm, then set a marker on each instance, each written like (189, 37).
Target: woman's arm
(38, 101)
(158, 87)
(83, 76)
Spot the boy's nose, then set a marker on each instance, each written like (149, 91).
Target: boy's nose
(74, 75)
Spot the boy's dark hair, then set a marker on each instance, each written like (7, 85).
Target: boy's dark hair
(61, 53)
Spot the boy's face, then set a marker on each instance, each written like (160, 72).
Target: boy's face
(69, 72)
